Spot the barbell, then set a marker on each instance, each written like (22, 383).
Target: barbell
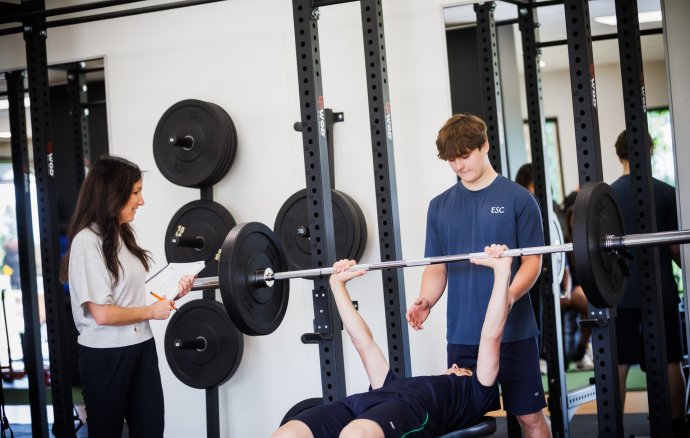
(252, 267)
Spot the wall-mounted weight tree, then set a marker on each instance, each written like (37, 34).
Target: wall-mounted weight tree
(194, 145)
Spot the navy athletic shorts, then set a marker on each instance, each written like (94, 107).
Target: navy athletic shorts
(519, 375)
(629, 336)
(396, 414)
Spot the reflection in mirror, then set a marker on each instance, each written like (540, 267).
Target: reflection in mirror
(79, 135)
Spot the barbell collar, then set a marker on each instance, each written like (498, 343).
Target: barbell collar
(647, 239)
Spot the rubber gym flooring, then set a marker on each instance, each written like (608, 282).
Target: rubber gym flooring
(583, 424)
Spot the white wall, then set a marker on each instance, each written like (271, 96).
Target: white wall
(240, 54)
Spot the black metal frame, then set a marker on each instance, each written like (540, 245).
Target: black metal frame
(42, 13)
(549, 292)
(33, 355)
(586, 121)
(212, 397)
(490, 80)
(319, 184)
(77, 91)
(380, 121)
(56, 315)
(651, 301)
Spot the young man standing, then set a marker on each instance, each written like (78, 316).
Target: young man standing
(484, 207)
(423, 406)
(629, 318)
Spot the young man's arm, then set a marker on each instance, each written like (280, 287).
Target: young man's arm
(497, 311)
(526, 276)
(372, 357)
(434, 281)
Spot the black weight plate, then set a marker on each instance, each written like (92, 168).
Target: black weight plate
(205, 219)
(301, 407)
(229, 157)
(361, 223)
(347, 222)
(595, 216)
(224, 344)
(254, 307)
(200, 164)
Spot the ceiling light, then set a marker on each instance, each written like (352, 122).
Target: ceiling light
(642, 17)
(542, 63)
(5, 134)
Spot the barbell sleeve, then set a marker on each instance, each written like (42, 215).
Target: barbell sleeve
(647, 239)
(206, 283)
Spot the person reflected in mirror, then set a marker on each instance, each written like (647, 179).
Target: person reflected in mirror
(629, 316)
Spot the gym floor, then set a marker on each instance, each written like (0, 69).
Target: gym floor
(584, 423)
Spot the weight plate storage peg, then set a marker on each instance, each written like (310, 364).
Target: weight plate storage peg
(292, 228)
(194, 143)
(256, 308)
(196, 232)
(595, 217)
(202, 346)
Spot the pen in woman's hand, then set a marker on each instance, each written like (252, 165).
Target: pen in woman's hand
(155, 295)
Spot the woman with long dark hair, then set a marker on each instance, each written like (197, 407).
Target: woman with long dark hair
(106, 270)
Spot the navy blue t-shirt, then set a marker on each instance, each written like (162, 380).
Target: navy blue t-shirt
(666, 220)
(452, 402)
(461, 221)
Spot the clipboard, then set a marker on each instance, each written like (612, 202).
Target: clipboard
(165, 281)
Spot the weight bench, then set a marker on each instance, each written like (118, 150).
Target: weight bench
(485, 427)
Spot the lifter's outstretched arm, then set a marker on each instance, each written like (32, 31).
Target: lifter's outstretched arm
(496, 314)
(372, 357)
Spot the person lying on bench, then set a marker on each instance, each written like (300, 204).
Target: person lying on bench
(423, 406)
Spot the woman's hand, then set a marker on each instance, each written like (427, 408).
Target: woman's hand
(184, 286)
(161, 308)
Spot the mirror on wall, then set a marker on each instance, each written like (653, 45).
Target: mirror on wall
(79, 134)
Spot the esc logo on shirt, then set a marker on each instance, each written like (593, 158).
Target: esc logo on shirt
(497, 210)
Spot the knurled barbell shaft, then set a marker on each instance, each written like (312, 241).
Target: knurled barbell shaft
(610, 243)
(516, 252)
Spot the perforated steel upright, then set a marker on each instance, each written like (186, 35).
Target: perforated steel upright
(548, 288)
(33, 355)
(381, 123)
(77, 92)
(35, 35)
(586, 121)
(651, 301)
(327, 322)
(490, 79)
